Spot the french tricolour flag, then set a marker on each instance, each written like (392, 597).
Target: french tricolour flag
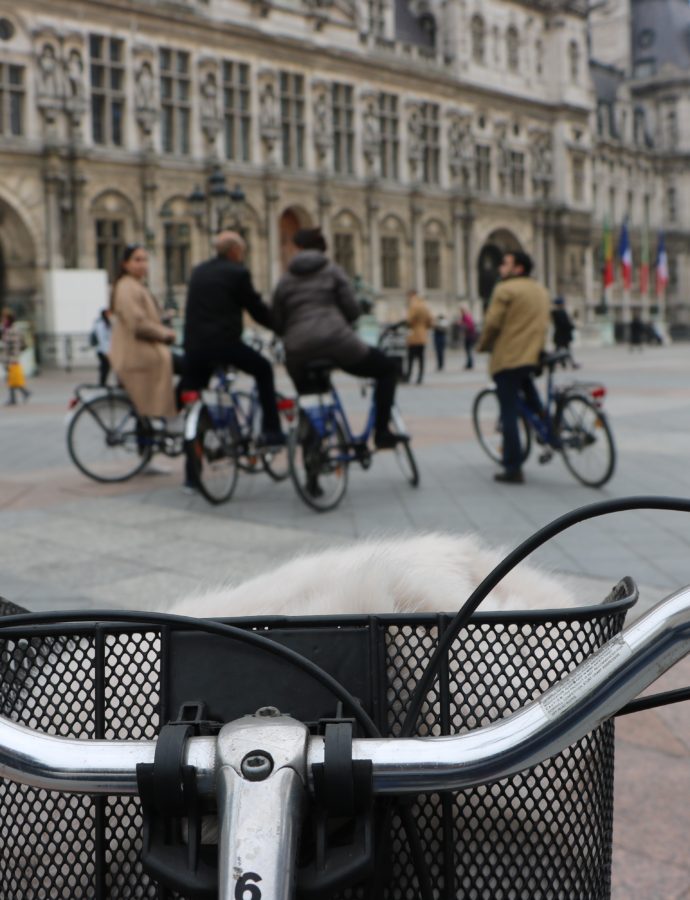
(661, 266)
(625, 256)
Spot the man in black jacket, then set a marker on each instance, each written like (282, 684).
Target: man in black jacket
(219, 290)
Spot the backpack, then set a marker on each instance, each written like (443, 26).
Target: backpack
(93, 339)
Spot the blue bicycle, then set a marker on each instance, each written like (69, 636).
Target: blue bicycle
(322, 445)
(221, 437)
(570, 422)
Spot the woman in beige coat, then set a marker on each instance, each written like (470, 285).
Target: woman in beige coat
(419, 321)
(139, 350)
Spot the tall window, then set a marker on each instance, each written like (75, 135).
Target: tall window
(107, 90)
(11, 100)
(377, 17)
(432, 264)
(483, 167)
(390, 141)
(292, 119)
(343, 128)
(539, 57)
(344, 252)
(513, 49)
(574, 61)
(175, 101)
(517, 173)
(177, 252)
(429, 117)
(671, 128)
(578, 179)
(110, 245)
(236, 111)
(671, 204)
(478, 39)
(390, 262)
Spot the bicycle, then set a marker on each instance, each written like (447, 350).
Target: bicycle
(571, 422)
(221, 437)
(232, 799)
(108, 441)
(323, 445)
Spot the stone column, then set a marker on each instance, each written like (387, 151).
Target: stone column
(324, 203)
(52, 180)
(79, 180)
(271, 197)
(374, 267)
(470, 289)
(459, 259)
(417, 242)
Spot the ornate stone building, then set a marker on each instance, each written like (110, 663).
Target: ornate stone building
(424, 136)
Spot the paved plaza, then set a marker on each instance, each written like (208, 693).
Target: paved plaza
(67, 542)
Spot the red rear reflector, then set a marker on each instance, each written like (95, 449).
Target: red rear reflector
(73, 402)
(598, 392)
(189, 396)
(286, 403)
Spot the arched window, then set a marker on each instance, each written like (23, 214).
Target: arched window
(574, 60)
(513, 49)
(478, 39)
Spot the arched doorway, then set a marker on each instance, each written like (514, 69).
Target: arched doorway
(498, 242)
(18, 270)
(291, 220)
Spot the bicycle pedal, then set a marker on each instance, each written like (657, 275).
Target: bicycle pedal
(545, 457)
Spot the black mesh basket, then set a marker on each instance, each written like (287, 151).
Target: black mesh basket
(545, 833)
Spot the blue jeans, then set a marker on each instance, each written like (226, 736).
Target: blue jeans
(510, 384)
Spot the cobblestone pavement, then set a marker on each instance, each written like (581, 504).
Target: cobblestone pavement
(68, 542)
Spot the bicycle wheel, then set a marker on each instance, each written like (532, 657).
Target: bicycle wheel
(277, 461)
(212, 456)
(107, 440)
(586, 441)
(486, 416)
(318, 463)
(403, 452)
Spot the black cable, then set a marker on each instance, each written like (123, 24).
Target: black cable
(562, 523)
(212, 627)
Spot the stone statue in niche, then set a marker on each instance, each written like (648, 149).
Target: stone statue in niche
(268, 114)
(49, 82)
(209, 97)
(74, 71)
(414, 136)
(322, 121)
(145, 93)
(461, 148)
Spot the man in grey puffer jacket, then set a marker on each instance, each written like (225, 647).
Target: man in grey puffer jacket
(313, 309)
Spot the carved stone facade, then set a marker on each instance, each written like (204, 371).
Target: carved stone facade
(421, 158)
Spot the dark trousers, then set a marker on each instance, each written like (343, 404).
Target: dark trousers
(440, 348)
(375, 365)
(200, 366)
(103, 368)
(510, 384)
(384, 369)
(469, 344)
(415, 352)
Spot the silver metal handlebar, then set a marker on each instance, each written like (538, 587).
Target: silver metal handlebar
(593, 692)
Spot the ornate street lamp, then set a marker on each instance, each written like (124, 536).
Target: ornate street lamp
(222, 208)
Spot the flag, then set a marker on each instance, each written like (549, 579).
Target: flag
(625, 256)
(661, 266)
(644, 261)
(608, 276)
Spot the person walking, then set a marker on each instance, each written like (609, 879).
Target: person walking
(419, 321)
(440, 339)
(102, 334)
(637, 331)
(514, 333)
(469, 333)
(12, 347)
(219, 292)
(314, 309)
(563, 329)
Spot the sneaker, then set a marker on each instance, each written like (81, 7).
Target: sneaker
(188, 489)
(386, 440)
(510, 477)
(271, 439)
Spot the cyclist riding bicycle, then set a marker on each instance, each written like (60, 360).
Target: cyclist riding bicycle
(514, 332)
(219, 290)
(314, 309)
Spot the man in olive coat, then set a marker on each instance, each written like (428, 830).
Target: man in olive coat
(514, 331)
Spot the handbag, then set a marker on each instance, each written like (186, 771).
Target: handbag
(15, 376)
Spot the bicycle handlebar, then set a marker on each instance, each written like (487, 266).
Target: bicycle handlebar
(589, 695)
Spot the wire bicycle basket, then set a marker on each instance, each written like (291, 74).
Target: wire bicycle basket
(546, 832)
